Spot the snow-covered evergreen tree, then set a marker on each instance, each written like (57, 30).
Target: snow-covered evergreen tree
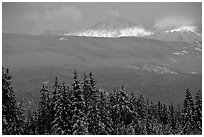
(54, 102)
(165, 115)
(159, 111)
(79, 118)
(172, 119)
(21, 117)
(91, 98)
(11, 114)
(31, 123)
(104, 108)
(44, 123)
(121, 113)
(188, 114)
(198, 112)
(61, 124)
(86, 110)
(87, 93)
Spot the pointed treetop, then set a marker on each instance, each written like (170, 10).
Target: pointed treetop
(7, 71)
(56, 81)
(92, 80)
(122, 88)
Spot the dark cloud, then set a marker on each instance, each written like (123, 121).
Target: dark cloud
(35, 18)
(65, 12)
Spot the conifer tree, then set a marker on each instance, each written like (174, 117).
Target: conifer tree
(31, 123)
(21, 117)
(179, 120)
(159, 111)
(142, 107)
(188, 121)
(198, 112)
(94, 96)
(121, 112)
(44, 123)
(91, 98)
(63, 115)
(86, 110)
(165, 115)
(79, 118)
(172, 119)
(136, 120)
(104, 108)
(54, 105)
(86, 92)
(92, 80)
(11, 114)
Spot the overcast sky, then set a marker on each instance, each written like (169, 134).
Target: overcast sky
(35, 18)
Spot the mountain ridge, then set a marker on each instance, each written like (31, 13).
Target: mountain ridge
(182, 34)
(119, 27)
(113, 27)
(54, 32)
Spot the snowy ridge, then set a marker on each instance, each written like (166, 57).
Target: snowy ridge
(118, 27)
(152, 68)
(126, 32)
(113, 28)
(135, 32)
(186, 34)
(183, 29)
(62, 39)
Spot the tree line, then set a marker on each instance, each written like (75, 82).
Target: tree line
(82, 109)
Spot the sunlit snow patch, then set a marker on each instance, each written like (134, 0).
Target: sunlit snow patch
(177, 53)
(126, 32)
(182, 28)
(157, 69)
(184, 51)
(152, 68)
(198, 49)
(62, 39)
(136, 31)
(194, 73)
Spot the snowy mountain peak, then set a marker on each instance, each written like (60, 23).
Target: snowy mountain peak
(186, 34)
(114, 27)
(115, 23)
(182, 29)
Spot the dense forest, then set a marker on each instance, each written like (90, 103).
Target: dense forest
(81, 109)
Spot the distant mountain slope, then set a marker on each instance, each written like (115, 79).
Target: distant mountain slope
(22, 50)
(113, 27)
(54, 32)
(183, 34)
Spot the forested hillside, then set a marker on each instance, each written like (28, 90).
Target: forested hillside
(79, 108)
